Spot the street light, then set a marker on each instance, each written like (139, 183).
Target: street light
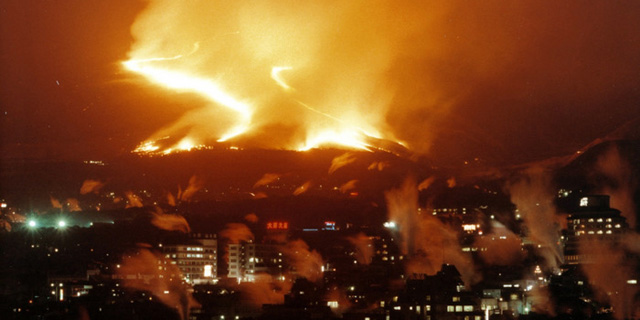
(62, 224)
(32, 224)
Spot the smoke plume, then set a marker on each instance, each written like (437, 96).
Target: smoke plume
(318, 70)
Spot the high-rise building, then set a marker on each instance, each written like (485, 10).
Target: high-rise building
(248, 261)
(197, 258)
(592, 220)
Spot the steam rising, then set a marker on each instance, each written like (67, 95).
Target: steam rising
(426, 241)
(503, 246)
(348, 186)
(251, 217)
(364, 248)
(133, 201)
(195, 184)
(237, 232)
(378, 165)
(619, 183)
(306, 263)
(172, 222)
(55, 202)
(141, 271)
(266, 179)
(72, 205)
(533, 195)
(610, 286)
(91, 186)
(302, 188)
(341, 161)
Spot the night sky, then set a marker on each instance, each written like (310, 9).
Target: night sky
(509, 82)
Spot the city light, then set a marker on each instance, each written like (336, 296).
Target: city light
(62, 224)
(390, 225)
(32, 223)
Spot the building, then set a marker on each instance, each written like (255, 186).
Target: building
(441, 296)
(592, 220)
(249, 260)
(196, 257)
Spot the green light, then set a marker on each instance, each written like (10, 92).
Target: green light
(61, 224)
(32, 223)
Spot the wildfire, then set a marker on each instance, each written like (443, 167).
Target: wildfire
(182, 81)
(347, 138)
(260, 75)
(350, 137)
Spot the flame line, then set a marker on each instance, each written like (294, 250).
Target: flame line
(204, 87)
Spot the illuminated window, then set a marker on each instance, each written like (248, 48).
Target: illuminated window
(584, 201)
(458, 308)
(451, 308)
(455, 299)
(468, 308)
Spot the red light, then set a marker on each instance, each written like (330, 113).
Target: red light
(277, 225)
